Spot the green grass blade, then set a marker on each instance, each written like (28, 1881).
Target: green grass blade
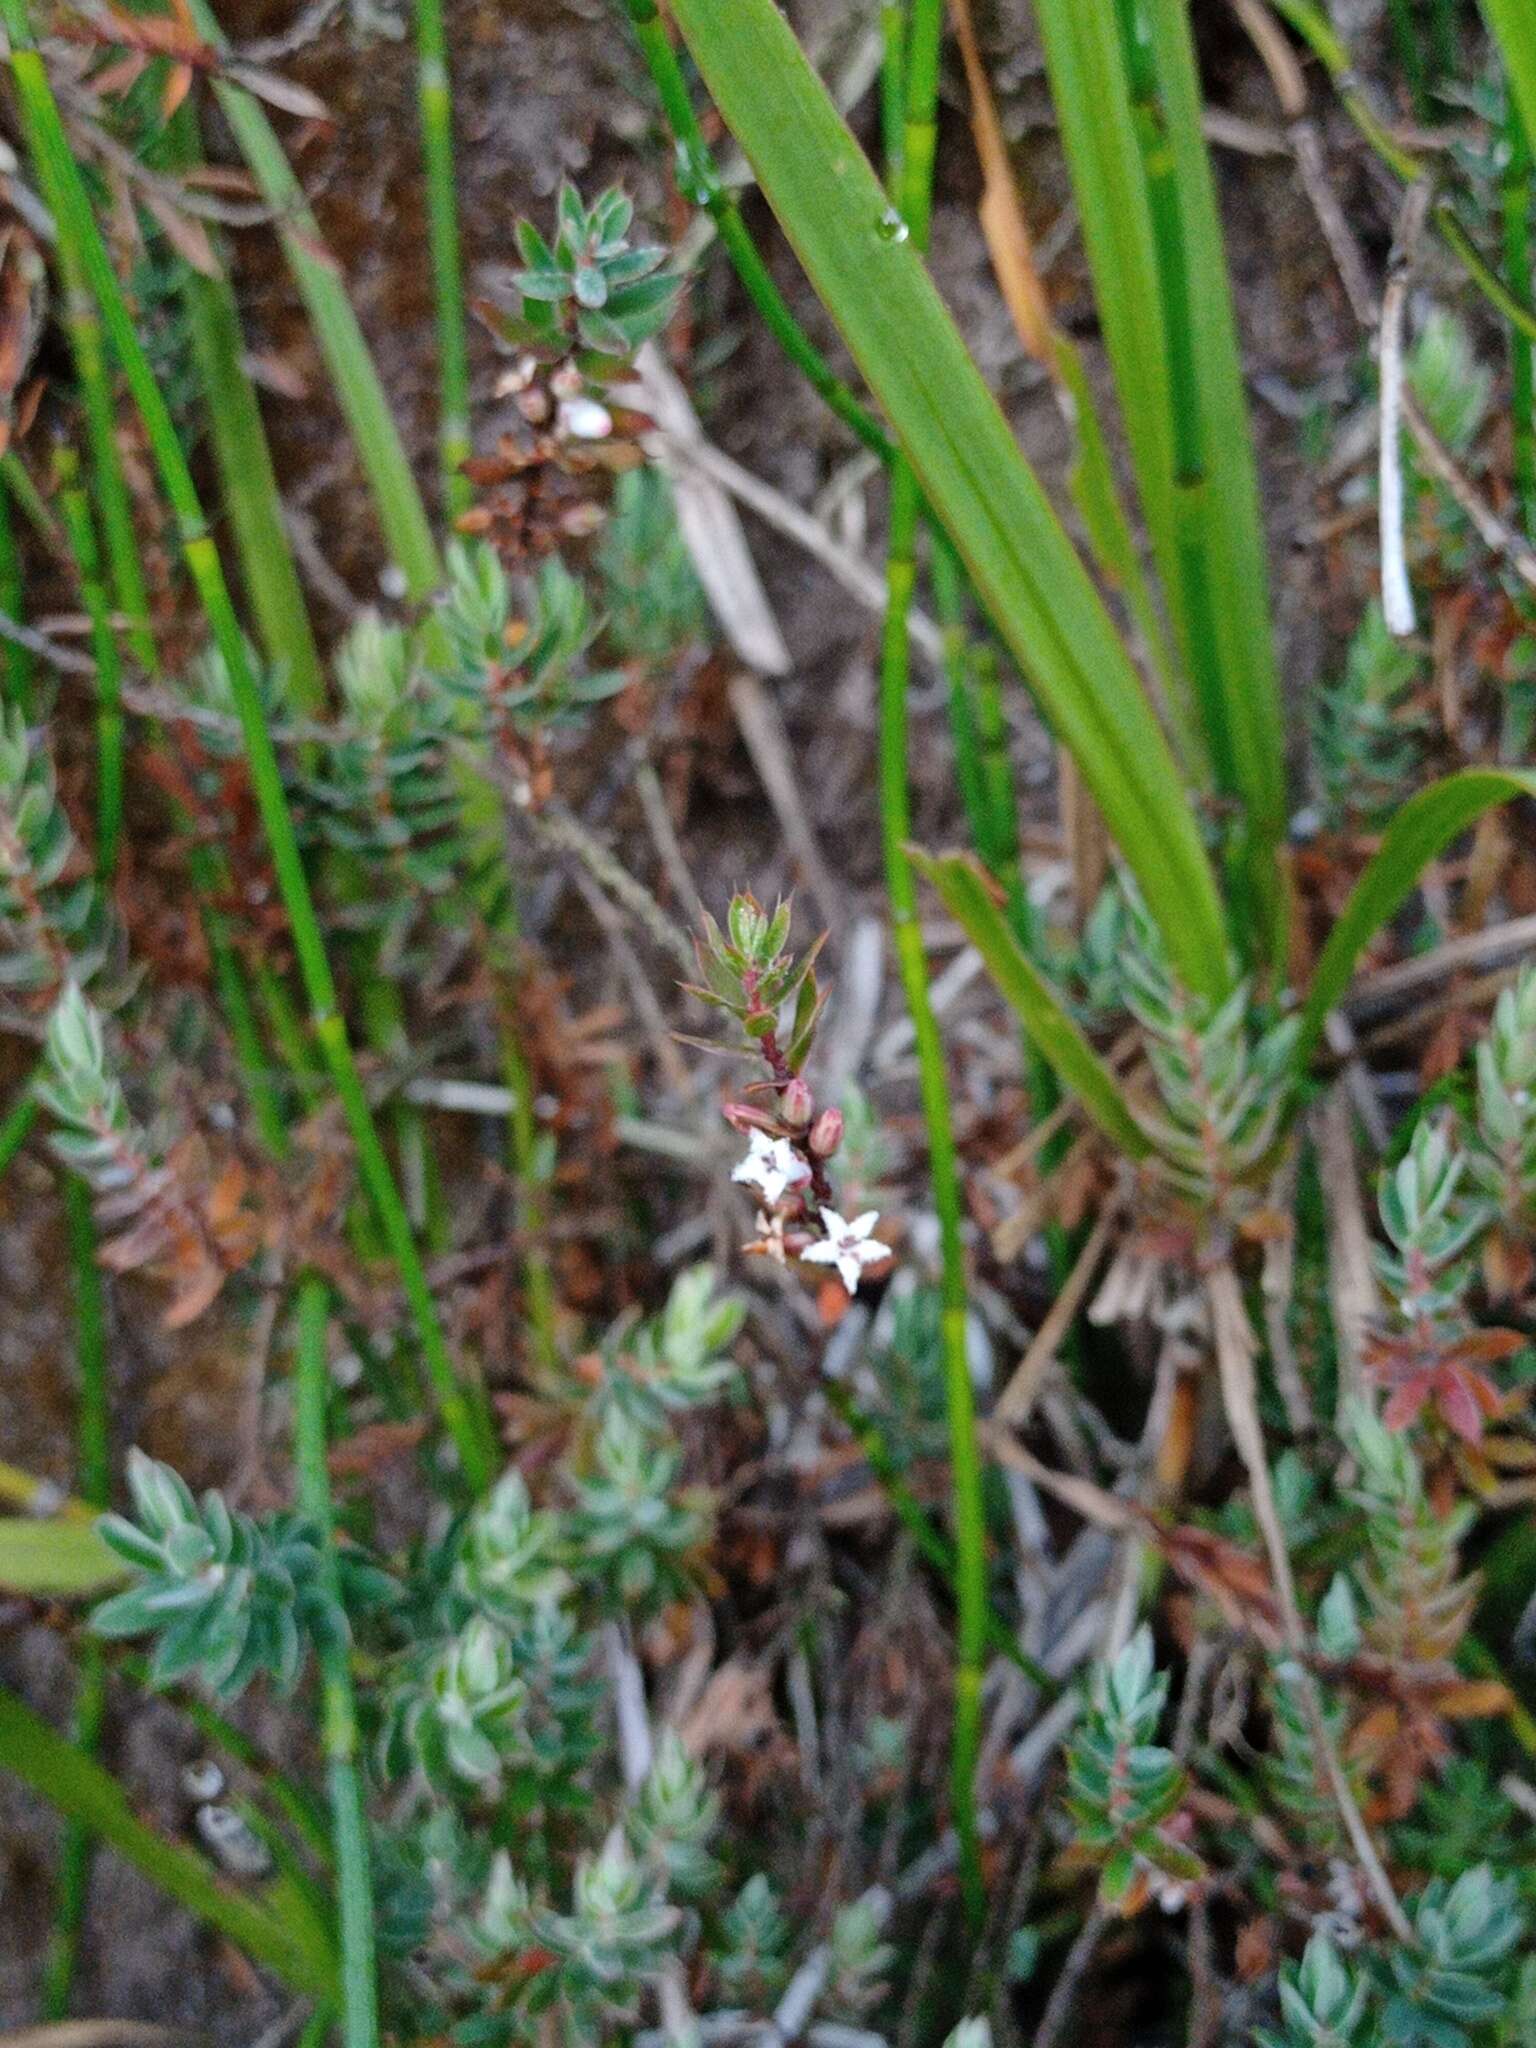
(339, 1728)
(60, 1559)
(1232, 526)
(1173, 347)
(246, 476)
(80, 527)
(975, 480)
(434, 92)
(1420, 831)
(274, 1927)
(1513, 27)
(968, 898)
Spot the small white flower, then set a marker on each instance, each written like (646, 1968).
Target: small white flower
(848, 1246)
(772, 1165)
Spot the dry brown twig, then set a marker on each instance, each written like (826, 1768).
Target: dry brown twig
(1018, 1396)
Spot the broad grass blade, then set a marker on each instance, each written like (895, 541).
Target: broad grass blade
(973, 476)
(968, 898)
(1421, 830)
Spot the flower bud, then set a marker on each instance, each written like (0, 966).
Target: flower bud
(797, 1105)
(745, 1118)
(826, 1134)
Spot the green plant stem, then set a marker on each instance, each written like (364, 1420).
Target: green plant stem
(434, 86)
(927, 1540)
(1511, 27)
(915, 191)
(528, 1171)
(83, 322)
(130, 602)
(297, 1806)
(17, 1127)
(1405, 40)
(339, 1728)
(1325, 43)
(271, 1926)
(465, 1419)
(700, 180)
(15, 660)
(316, 2028)
(1191, 509)
(247, 479)
(893, 87)
(1517, 191)
(30, 501)
(92, 1419)
(80, 528)
(93, 1474)
(407, 531)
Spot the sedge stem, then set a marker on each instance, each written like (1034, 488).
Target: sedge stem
(339, 1735)
(465, 1417)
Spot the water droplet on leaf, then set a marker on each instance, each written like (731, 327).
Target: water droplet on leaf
(890, 227)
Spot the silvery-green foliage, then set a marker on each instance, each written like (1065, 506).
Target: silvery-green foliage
(54, 923)
(1502, 1149)
(458, 1715)
(514, 651)
(509, 1561)
(673, 1819)
(1324, 2003)
(651, 594)
(1427, 1269)
(226, 1598)
(1338, 1620)
(1449, 379)
(1417, 1601)
(1123, 1786)
(618, 1933)
(680, 1359)
(594, 286)
(1224, 1080)
(1463, 1817)
(752, 1961)
(970, 2034)
(381, 787)
(630, 1522)
(861, 1956)
(562, 1726)
(1293, 1772)
(1366, 741)
(1455, 1979)
(94, 1133)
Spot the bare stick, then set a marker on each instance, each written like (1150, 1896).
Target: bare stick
(1235, 1347)
(1018, 1397)
(762, 729)
(1058, 2010)
(856, 575)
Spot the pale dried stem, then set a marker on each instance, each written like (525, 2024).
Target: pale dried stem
(1235, 1347)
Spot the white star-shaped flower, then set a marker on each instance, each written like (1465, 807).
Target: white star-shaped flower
(772, 1165)
(848, 1246)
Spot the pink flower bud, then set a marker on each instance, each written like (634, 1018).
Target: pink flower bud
(797, 1105)
(743, 1117)
(826, 1134)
